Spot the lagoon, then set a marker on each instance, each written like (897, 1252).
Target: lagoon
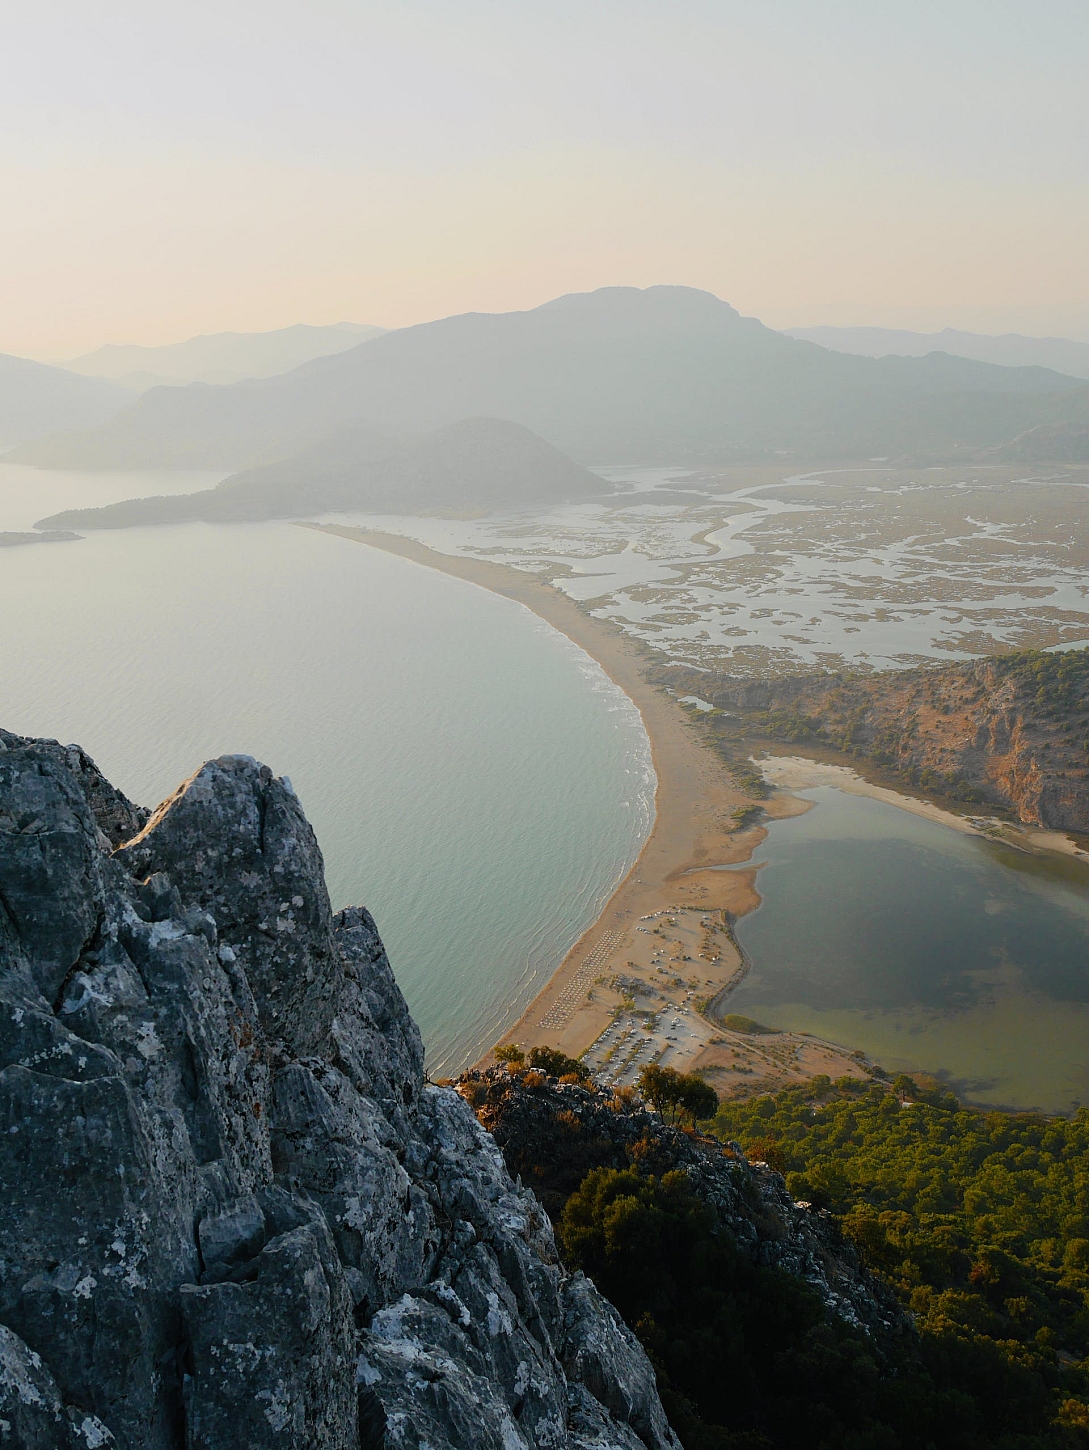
(928, 948)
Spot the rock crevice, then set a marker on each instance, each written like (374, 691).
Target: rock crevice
(233, 1213)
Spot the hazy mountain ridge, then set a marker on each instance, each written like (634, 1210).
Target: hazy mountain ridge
(670, 374)
(479, 462)
(1062, 441)
(1009, 349)
(220, 357)
(36, 398)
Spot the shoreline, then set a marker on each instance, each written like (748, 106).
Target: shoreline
(620, 966)
(650, 978)
(800, 772)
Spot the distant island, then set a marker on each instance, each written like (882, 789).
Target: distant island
(9, 540)
(478, 462)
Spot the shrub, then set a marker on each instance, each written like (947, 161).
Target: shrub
(734, 1022)
(557, 1064)
(677, 1093)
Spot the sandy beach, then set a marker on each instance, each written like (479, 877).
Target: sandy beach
(630, 989)
(651, 979)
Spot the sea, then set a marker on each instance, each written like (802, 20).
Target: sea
(473, 777)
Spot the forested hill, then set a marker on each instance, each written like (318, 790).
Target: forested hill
(483, 463)
(1008, 731)
(765, 1330)
(979, 1222)
(668, 374)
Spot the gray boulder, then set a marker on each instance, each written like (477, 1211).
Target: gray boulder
(232, 1211)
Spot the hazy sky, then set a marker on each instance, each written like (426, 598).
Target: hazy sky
(169, 169)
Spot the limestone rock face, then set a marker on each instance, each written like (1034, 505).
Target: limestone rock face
(232, 1212)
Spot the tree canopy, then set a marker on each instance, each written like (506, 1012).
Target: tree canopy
(556, 1063)
(748, 1356)
(677, 1094)
(980, 1222)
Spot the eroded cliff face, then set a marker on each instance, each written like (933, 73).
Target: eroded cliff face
(1010, 731)
(232, 1211)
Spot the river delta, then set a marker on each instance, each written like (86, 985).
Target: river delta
(777, 570)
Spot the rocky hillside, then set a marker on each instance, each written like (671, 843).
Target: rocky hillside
(552, 1134)
(1008, 732)
(233, 1213)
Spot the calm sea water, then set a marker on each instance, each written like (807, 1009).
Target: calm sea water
(926, 947)
(473, 777)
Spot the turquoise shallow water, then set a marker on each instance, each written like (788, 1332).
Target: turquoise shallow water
(473, 777)
(926, 947)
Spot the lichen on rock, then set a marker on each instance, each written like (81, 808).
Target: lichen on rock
(233, 1213)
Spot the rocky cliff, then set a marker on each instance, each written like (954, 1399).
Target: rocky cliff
(1010, 731)
(551, 1134)
(233, 1213)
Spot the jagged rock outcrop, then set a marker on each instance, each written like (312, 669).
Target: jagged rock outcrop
(551, 1134)
(232, 1211)
(1009, 731)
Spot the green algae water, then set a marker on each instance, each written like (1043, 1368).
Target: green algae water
(927, 948)
(472, 776)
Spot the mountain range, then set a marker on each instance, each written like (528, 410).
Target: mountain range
(668, 374)
(220, 357)
(477, 462)
(1009, 349)
(36, 398)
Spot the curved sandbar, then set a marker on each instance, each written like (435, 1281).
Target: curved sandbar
(800, 771)
(677, 881)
